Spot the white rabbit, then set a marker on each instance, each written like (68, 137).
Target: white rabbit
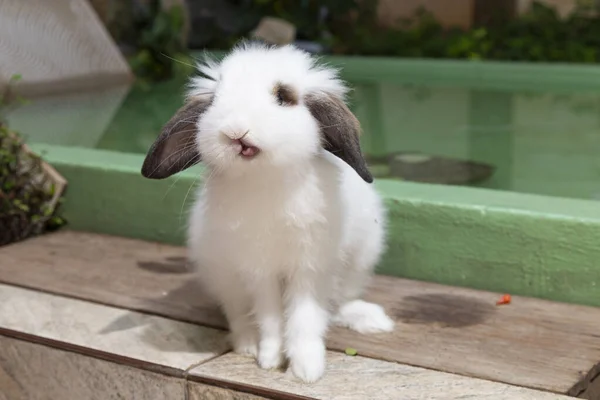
(287, 228)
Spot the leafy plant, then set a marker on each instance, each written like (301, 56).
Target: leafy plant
(218, 24)
(9, 100)
(351, 27)
(28, 198)
(157, 37)
(538, 35)
(314, 19)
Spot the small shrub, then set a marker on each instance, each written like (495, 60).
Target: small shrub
(29, 190)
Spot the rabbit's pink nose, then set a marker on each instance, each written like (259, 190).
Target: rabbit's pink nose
(247, 150)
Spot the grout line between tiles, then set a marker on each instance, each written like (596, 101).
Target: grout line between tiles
(186, 372)
(152, 367)
(234, 385)
(90, 352)
(261, 391)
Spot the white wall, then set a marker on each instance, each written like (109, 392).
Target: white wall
(54, 41)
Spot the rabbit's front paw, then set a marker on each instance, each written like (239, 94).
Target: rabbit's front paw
(269, 354)
(245, 344)
(307, 360)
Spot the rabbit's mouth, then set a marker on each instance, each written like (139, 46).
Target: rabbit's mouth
(246, 150)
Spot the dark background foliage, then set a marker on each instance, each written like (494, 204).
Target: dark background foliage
(156, 37)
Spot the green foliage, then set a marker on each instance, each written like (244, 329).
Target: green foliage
(9, 100)
(538, 35)
(314, 19)
(26, 193)
(228, 21)
(156, 34)
(351, 27)
(222, 23)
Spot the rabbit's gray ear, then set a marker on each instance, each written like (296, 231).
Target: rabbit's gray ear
(175, 148)
(340, 131)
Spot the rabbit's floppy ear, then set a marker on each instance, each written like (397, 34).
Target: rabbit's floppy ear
(340, 130)
(175, 148)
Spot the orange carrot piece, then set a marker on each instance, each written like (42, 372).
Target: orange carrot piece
(505, 299)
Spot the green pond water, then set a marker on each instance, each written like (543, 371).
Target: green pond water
(532, 142)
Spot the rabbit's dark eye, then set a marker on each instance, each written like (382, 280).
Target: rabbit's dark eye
(285, 95)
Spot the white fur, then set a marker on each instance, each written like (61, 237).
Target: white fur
(287, 238)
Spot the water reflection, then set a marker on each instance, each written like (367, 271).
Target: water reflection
(542, 142)
(74, 119)
(139, 121)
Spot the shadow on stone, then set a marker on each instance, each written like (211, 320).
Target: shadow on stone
(447, 310)
(174, 265)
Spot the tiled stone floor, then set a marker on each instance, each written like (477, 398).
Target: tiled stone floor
(54, 347)
(111, 318)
